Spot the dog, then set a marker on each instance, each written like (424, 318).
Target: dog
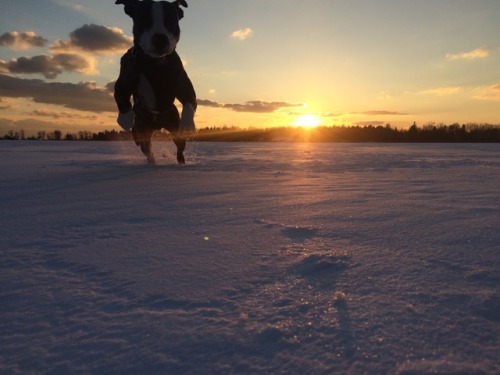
(152, 73)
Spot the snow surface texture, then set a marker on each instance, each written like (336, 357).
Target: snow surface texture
(251, 259)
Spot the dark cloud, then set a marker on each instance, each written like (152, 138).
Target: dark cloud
(260, 106)
(110, 86)
(208, 103)
(84, 96)
(37, 64)
(60, 115)
(24, 40)
(95, 38)
(255, 106)
(74, 63)
(49, 66)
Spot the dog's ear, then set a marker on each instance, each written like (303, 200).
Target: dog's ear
(180, 12)
(130, 6)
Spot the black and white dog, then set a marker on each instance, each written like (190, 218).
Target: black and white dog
(152, 73)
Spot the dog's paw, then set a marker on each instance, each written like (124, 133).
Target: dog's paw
(187, 126)
(126, 120)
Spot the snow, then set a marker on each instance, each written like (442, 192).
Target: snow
(254, 258)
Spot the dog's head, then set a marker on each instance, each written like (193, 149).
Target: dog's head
(156, 24)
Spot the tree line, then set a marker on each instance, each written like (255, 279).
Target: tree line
(58, 135)
(482, 133)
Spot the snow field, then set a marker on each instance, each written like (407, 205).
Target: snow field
(253, 258)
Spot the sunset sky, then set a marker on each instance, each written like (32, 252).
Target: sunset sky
(259, 63)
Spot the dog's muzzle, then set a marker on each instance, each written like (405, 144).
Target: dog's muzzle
(160, 42)
(159, 45)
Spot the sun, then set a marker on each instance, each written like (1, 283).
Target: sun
(307, 121)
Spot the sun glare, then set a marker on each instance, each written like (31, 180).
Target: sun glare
(307, 121)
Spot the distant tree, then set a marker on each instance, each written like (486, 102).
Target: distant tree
(11, 135)
(84, 135)
(56, 135)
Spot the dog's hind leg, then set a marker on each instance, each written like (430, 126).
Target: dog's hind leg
(142, 139)
(181, 146)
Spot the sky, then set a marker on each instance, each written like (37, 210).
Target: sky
(261, 63)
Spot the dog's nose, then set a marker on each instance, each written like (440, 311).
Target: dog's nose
(160, 41)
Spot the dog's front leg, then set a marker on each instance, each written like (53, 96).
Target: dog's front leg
(124, 88)
(187, 96)
(126, 120)
(187, 126)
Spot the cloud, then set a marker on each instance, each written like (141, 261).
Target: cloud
(2, 106)
(3, 67)
(242, 34)
(487, 92)
(478, 53)
(95, 38)
(256, 106)
(20, 41)
(73, 55)
(442, 91)
(110, 86)
(49, 66)
(60, 115)
(84, 96)
(332, 115)
(209, 103)
(87, 96)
